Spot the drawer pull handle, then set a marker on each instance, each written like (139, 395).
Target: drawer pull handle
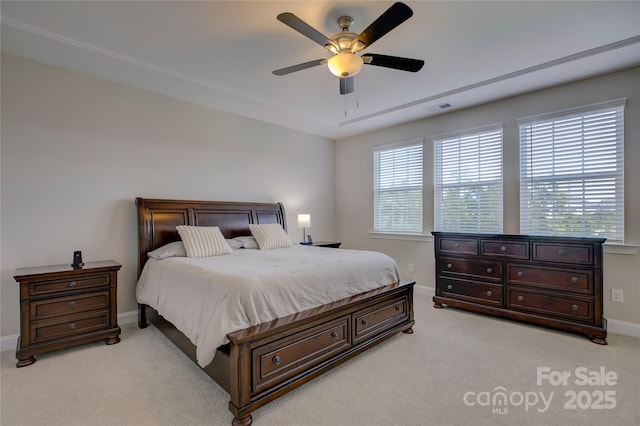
(276, 360)
(561, 252)
(363, 322)
(72, 303)
(449, 287)
(520, 298)
(334, 334)
(397, 307)
(449, 266)
(456, 245)
(489, 270)
(489, 293)
(520, 274)
(72, 326)
(503, 248)
(574, 279)
(574, 307)
(73, 284)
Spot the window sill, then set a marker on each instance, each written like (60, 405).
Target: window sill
(400, 236)
(616, 248)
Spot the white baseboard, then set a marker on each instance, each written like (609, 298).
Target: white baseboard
(8, 343)
(623, 327)
(423, 290)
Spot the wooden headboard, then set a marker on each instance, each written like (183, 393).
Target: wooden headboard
(157, 219)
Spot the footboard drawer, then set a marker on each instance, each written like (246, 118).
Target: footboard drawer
(280, 360)
(379, 318)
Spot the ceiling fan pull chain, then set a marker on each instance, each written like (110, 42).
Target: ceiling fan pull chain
(345, 106)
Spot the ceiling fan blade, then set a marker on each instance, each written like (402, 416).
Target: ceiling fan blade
(346, 85)
(395, 62)
(303, 28)
(299, 67)
(394, 16)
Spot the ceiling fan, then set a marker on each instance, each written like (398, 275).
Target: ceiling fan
(346, 47)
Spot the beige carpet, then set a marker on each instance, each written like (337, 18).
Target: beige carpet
(453, 360)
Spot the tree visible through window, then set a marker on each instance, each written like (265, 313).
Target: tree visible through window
(468, 181)
(572, 173)
(397, 187)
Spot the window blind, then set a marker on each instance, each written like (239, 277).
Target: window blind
(397, 187)
(572, 173)
(468, 181)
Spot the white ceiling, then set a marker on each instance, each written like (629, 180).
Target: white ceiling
(221, 53)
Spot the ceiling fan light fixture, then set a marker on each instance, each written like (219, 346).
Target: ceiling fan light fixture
(345, 64)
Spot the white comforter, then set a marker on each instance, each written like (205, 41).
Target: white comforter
(209, 297)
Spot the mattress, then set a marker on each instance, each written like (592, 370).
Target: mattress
(207, 298)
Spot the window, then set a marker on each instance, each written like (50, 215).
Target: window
(571, 173)
(397, 187)
(468, 181)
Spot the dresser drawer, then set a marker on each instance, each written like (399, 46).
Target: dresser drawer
(283, 359)
(42, 309)
(574, 280)
(558, 305)
(459, 245)
(576, 254)
(487, 270)
(510, 249)
(379, 318)
(473, 291)
(38, 288)
(61, 327)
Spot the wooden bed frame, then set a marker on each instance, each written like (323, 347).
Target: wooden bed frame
(264, 362)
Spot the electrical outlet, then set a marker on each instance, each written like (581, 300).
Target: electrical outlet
(617, 295)
(412, 267)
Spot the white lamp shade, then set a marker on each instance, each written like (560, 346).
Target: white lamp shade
(304, 220)
(345, 64)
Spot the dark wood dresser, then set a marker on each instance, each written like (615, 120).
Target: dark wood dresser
(61, 307)
(550, 281)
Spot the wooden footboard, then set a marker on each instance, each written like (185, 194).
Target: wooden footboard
(264, 362)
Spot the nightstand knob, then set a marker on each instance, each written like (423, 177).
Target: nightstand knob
(276, 360)
(449, 266)
(363, 322)
(503, 248)
(449, 287)
(456, 245)
(489, 270)
(334, 335)
(520, 274)
(72, 303)
(73, 284)
(397, 307)
(489, 293)
(72, 326)
(561, 252)
(574, 307)
(520, 298)
(574, 279)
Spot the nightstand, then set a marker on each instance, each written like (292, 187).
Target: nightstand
(331, 244)
(61, 307)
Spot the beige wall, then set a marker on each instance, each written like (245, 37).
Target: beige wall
(77, 150)
(354, 194)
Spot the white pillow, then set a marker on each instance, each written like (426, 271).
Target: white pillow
(234, 244)
(175, 249)
(203, 241)
(247, 242)
(270, 236)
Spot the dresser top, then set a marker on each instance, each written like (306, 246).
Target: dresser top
(66, 269)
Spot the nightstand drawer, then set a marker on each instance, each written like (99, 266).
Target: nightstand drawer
(69, 305)
(38, 288)
(42, 331)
